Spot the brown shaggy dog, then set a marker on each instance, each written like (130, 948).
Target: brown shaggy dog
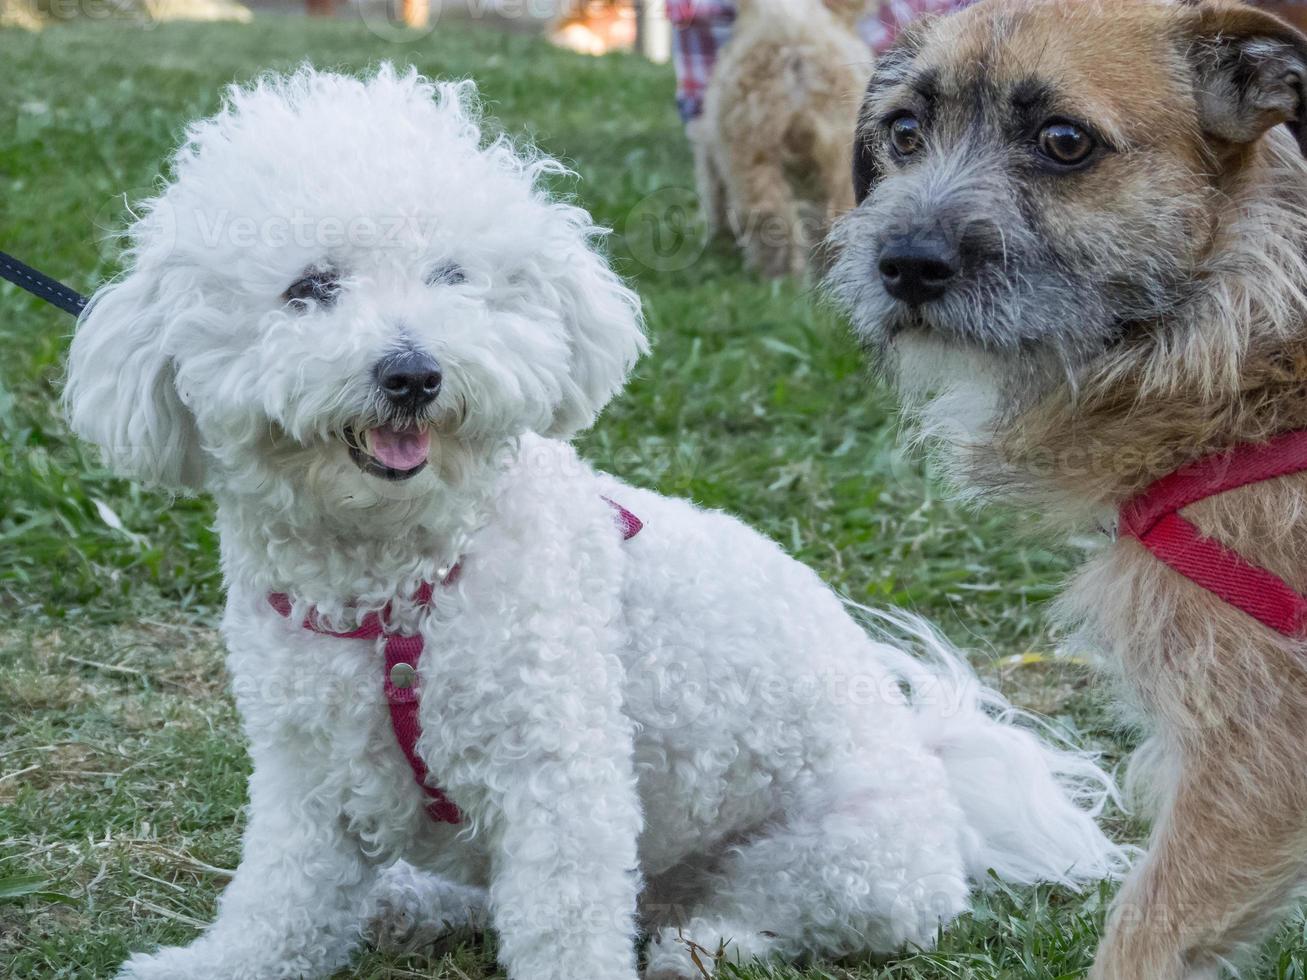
(777, 128)
(1081, 252)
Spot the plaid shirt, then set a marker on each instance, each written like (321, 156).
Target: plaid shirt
(702, 27)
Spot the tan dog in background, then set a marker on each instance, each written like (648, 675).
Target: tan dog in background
(772, 147)
(1081, 253)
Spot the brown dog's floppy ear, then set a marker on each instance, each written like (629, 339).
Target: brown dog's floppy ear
(1249, 69)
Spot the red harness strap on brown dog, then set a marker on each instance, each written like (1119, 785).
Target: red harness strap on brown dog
(403, 651)
(1153, 518)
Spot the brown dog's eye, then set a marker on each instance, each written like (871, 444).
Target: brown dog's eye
(319, 286)
(1066, 144)
(905, 135)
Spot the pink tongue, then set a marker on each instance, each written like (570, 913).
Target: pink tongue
(400, 449)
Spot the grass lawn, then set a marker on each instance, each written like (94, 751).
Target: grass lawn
(121, 765)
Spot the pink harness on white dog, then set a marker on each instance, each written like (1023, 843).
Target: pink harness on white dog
(403, 651)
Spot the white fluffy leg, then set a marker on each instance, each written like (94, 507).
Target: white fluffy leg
(871, 861)
(292, 909)
(565, 885)
(409, 909)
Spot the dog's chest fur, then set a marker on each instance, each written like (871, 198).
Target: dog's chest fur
(324, 696)
(561, 640)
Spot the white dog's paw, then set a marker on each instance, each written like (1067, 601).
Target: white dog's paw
(695, 953)
(206, 960)
(673, 956)
(673, 973)
(409, 909)
(397, 926)
(172, 963)
(680, 968)
(148, 966)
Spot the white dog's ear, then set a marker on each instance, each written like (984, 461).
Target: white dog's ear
(121, 393)
(605, 332)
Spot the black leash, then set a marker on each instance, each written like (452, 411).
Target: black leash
(51, 290)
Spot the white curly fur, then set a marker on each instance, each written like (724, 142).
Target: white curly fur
(686, 729)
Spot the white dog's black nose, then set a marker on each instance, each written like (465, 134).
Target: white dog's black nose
(409, 380)
(917, 274)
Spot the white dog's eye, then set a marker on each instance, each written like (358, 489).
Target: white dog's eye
(320, 286)
(449, 274)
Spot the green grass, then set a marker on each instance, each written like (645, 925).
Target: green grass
(121, 766)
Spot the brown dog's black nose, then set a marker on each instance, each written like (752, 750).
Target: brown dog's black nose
(916, 274)
(409, 380)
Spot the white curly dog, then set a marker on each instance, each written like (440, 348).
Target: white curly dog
(364, 328)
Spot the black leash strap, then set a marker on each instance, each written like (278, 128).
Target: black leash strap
(51, 290)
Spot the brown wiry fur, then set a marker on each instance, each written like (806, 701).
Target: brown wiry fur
(777, 128)
(1224, 698)
(1228, 367)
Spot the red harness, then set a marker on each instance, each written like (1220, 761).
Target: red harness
(403, 651)
(1153, 518)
